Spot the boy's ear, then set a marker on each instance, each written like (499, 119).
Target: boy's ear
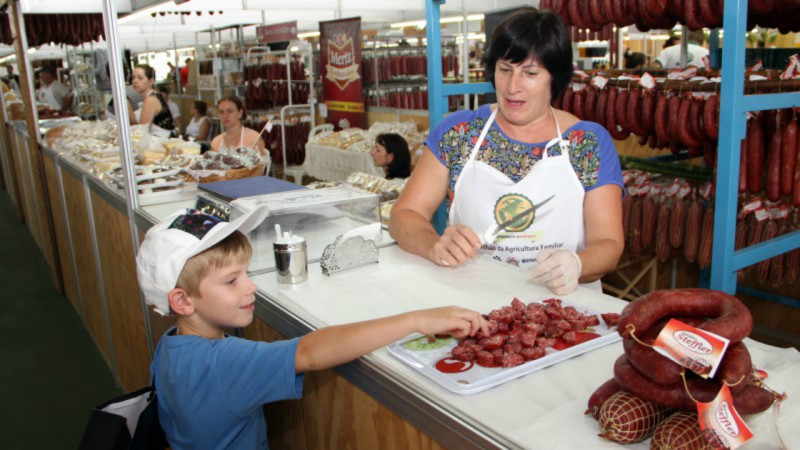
(180, 303)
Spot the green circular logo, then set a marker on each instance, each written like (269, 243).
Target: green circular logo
(509, 206)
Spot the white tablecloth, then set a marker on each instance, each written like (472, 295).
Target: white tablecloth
(334, 164)
(543, 409)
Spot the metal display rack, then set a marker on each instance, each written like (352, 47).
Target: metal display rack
(734, 106)
(82, 75)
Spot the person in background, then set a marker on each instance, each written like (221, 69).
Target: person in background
(670, 57)
(211, 386)
(199, 126)
(154, 110)
(173, 108)
(498, 161)
(133, 99)
(390, 153)
(184, 73)
(51, 91)
(231, 115)
(634, 60)
(670, 41)
(11, 79)
(173, 71)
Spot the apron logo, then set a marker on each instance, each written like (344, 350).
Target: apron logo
(509, 206)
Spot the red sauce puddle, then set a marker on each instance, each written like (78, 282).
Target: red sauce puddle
(449, 365)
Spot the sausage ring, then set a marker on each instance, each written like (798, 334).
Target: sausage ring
(730, 318)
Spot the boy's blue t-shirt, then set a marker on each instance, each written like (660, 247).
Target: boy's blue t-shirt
(211, 392)
(592, 151)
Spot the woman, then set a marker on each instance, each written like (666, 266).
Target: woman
(154, 110)
(390, 153)
(231, 114)
(200, 125)
(496, 162)
(133, 99)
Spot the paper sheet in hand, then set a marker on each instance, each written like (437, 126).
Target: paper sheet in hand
(475, 378)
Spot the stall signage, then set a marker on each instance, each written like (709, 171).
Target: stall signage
(340, 58)
(279, 32)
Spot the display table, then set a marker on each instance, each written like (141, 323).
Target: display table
(334, 164)
(543, 409)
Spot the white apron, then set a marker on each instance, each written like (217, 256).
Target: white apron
(47, 96)
(484, 197)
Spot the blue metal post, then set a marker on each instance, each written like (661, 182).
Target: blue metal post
(437, 103)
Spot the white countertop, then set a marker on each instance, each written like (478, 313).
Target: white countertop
(543, 409)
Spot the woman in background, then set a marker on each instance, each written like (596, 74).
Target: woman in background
(199, 126)
(390, 152)
(231, 114)
(154, 110)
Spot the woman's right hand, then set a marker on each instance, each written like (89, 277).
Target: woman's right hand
(457, 245)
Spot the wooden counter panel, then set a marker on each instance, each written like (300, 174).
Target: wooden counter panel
(128, 335)
(88, 283)
(333, 413)
(60, 231)
(40, 195)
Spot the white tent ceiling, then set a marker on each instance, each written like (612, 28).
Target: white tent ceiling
(143, 32)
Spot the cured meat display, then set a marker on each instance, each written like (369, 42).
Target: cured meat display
(647, 386)
(665, 14)
(42, 29)
(522, 338)
(270, 85)
(297, 129)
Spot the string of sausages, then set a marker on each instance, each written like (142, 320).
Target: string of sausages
(665, 14)
(69, 29)
(268, 86)
(297, 129)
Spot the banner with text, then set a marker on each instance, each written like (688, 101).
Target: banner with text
(340, 59)
(279, 32)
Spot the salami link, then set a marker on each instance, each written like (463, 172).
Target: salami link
(706, 239)
(711, 117)
(634, 111)
(663, 249)
(600, 109)
(694, 218)
(611, 117)
(661, 120)
(566, 103)
(755, 157)
(677, 223)
(600, 395)
(770, 232)
(684, 124)
(729, 317)
(774, 166)
(636, 228)
(590, 105)
(673, 122)
(648, 109)
(696, 119)
(743, 165)
(622, 110)
(649, 214)
(788, 157)
(578, 104)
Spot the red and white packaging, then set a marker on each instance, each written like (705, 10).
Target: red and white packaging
(792, 69)
(647, 81)
(697, 350)
(757, 67)
(721, 424)
(599, 82)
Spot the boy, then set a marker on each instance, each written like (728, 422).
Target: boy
(211, 387)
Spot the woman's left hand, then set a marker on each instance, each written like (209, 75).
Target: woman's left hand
(559, 270)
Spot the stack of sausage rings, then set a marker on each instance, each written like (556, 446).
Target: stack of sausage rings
(648, 388)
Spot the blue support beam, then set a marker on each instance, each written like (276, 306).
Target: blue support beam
(734, 106)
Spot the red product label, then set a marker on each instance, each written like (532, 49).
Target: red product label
(721, 424)
(693, 348)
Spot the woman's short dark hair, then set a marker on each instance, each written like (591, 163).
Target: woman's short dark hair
(236, 101)
(538, 35)
(149, 72)
(396, 145)
(200, 106)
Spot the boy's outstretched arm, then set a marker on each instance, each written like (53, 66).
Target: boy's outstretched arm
(331, 346)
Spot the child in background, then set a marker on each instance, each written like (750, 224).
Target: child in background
(211, 387)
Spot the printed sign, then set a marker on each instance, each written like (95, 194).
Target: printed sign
(279, 32)
(693, 348)
(721, 424)
(340, 58)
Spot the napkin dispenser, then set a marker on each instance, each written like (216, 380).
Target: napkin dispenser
(352, 249)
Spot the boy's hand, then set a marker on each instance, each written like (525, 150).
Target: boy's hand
(456, 321)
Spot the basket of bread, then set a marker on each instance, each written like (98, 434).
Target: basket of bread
(240, 163)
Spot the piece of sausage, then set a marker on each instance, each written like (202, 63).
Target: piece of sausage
(590, 104)
(611, 117)
(735, 367)
(711, 117)
(566, 103)
(788, 157)
(684, 124)
(743, 165)
(707, 239)
(694, 220)
(663, 249)
(675, 396)
(696, 119)
(634, 111)
(677, 223)
(673, 121)
(770, 232)
(622, 110)
(755, 157)
(596, 11)
(649, 215)
(648, 111)
(730, 318)
(600, 109)
(600, 395)
(661, 120)
(692, 13)
(578, 104)
(774, 166)
(709, 153)
(636, 228)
